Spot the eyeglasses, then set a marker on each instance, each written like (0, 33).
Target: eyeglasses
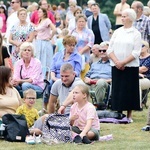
(14, 2)
(27, 50)
(143, 45)
(103, 50)
(31, 98)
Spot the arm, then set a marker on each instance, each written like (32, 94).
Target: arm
(31, 37)
(68, 101)
(86, 128)
(53, 77)
(51, 104)
(53, 28)
(11, 41)
(117, 12)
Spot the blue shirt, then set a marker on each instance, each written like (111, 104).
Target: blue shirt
(58, 60)
(100, 70)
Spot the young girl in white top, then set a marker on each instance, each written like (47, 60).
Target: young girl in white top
(83, 116)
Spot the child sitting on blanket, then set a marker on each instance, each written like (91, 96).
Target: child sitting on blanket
(83, 117)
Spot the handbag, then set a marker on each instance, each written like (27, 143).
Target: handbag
(57, 127)
(16, 128)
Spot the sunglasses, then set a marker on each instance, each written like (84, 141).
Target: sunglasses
(143, 45)
(103, 50)
(14, 2)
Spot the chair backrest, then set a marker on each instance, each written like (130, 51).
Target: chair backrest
(46, 72)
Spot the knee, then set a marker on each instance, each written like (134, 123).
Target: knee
(102, 83)
(26, 86)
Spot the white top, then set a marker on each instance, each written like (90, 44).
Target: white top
(125, 42)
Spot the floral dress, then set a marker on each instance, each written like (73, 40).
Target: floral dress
(20, 33)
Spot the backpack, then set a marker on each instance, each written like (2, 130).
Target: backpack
(16, 128)
(57, 128)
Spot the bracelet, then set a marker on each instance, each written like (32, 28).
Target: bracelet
(63, 105)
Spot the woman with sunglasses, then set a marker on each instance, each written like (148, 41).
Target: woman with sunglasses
(144, 71)
(28, 70)
(124, 51)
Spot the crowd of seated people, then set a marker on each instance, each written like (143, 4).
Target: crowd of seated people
(82, 64)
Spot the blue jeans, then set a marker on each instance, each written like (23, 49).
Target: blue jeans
(26, 85)
(47, 92)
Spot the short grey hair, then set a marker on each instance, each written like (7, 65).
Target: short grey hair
(148, 3)
(96, 46)
(35, 4)
(24, 46)
(105, 43)
(131, 13)
(65, 67)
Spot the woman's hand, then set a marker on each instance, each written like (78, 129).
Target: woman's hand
(120, 65)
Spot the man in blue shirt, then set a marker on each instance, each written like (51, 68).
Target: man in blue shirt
(99, 75)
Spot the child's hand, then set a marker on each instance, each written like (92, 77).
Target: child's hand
(74, 117)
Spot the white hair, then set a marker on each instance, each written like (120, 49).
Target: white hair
(24, 46)
(131, 13)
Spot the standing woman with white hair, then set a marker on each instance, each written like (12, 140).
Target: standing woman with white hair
(28, 70)
(124, 51)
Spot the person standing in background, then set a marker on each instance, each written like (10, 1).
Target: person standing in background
(100, 24)
(124, 51)
(118, 12)
(142, 22)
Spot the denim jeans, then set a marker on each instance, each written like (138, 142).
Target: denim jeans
(27, 85)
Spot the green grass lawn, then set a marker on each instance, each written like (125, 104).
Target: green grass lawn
(125, 137)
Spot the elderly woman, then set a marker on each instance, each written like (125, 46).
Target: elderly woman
(45, 32)
(9, 96)
(124, 51)
(144, 70)
(85, 41)
(28, 70)
(20, 32)
(69, 55)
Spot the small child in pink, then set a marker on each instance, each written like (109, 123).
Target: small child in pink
(83, 116)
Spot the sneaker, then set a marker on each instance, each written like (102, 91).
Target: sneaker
(130, 120)
(146, 128)
(77, 139)
(38, 139)
(30, 139)
(85, 140)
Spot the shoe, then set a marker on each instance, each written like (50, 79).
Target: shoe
(130, 120)
(30, 139)
(38, 139)
(77, 139)
(76, 129)
(146, 128)
(85, 140)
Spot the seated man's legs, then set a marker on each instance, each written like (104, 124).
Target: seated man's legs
(100, 89)
(147, 127)
(144, 84)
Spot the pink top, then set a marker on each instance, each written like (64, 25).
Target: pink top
(43, 30)
(88, 111)
(3, 30)
(33, 71)
(35, 18)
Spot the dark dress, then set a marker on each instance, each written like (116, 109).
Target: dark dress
(125, 89)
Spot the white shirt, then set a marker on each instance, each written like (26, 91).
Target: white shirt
(125, 42)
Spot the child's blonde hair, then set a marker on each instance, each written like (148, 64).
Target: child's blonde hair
(29, 91)
(84, 89)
